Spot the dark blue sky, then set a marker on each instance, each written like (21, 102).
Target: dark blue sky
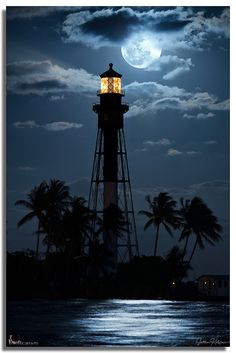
(177, 129)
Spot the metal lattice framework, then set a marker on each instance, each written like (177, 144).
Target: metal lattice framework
(128, 243)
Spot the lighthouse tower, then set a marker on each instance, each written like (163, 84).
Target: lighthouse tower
(110, 182)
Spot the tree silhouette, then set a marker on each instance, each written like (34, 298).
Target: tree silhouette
(98, 258)
(58, 200)
(162, 211)
(185, 234)
(113, 225)
(198, 219)
(47, 203)
(113, 220)
(76, 224)
(175, 268)
(37, 203)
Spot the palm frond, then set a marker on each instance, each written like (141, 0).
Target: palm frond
(148, 224)
(24, 203)
(145, 213)
(167, 228)
(26, 218)
(184, 234)
(149, 201)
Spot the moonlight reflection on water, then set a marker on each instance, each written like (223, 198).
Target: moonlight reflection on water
(117, 322)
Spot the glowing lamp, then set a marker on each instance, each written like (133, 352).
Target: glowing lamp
(110, 85)
(110, 81)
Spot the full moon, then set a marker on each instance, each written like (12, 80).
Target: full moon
(141, 51)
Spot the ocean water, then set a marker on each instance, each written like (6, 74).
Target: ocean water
(118, 322)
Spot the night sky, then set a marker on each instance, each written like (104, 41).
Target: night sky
(177, 128)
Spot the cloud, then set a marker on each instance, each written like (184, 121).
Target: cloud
(176, 72)
(25, 124)
(171, 29)
(54, 126)
(173, 64)
(61, 126)
(210, 142)
(173, 152)
(144, 191)
(141, 149)
(203, 188)
(102, 27)
(29, 12)
(202, 25)
(192, 153)
(180, 27)
(188, 191)
(155, 96)
(26, 168)
(44, 77)
(163, 142)
(157, 90)
(199, 116)
(56, 98)
(212, 184)
(85, 179)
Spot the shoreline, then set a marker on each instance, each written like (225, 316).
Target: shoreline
(184, 299)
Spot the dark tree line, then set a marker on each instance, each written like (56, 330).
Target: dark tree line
(65, 224)
(194, 218)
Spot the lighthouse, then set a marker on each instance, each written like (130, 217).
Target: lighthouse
(110, 182)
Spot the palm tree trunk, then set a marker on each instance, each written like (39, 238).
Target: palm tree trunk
(157, 234)
(37, 245)
(49, 240)
(185, 247)
(69, 262)
(194, 248)
(48, 248)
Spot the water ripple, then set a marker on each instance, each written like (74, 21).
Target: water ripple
(117, 322)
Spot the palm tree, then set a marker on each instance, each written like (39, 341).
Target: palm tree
(75, 228)
(185, 234)
(175, 268)
(162, 211)
(36, 202)
(97, 258)
(199, 219)
(58, 200)
(113, 226)
(76, 224)
(113, 220)
(58, 195)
